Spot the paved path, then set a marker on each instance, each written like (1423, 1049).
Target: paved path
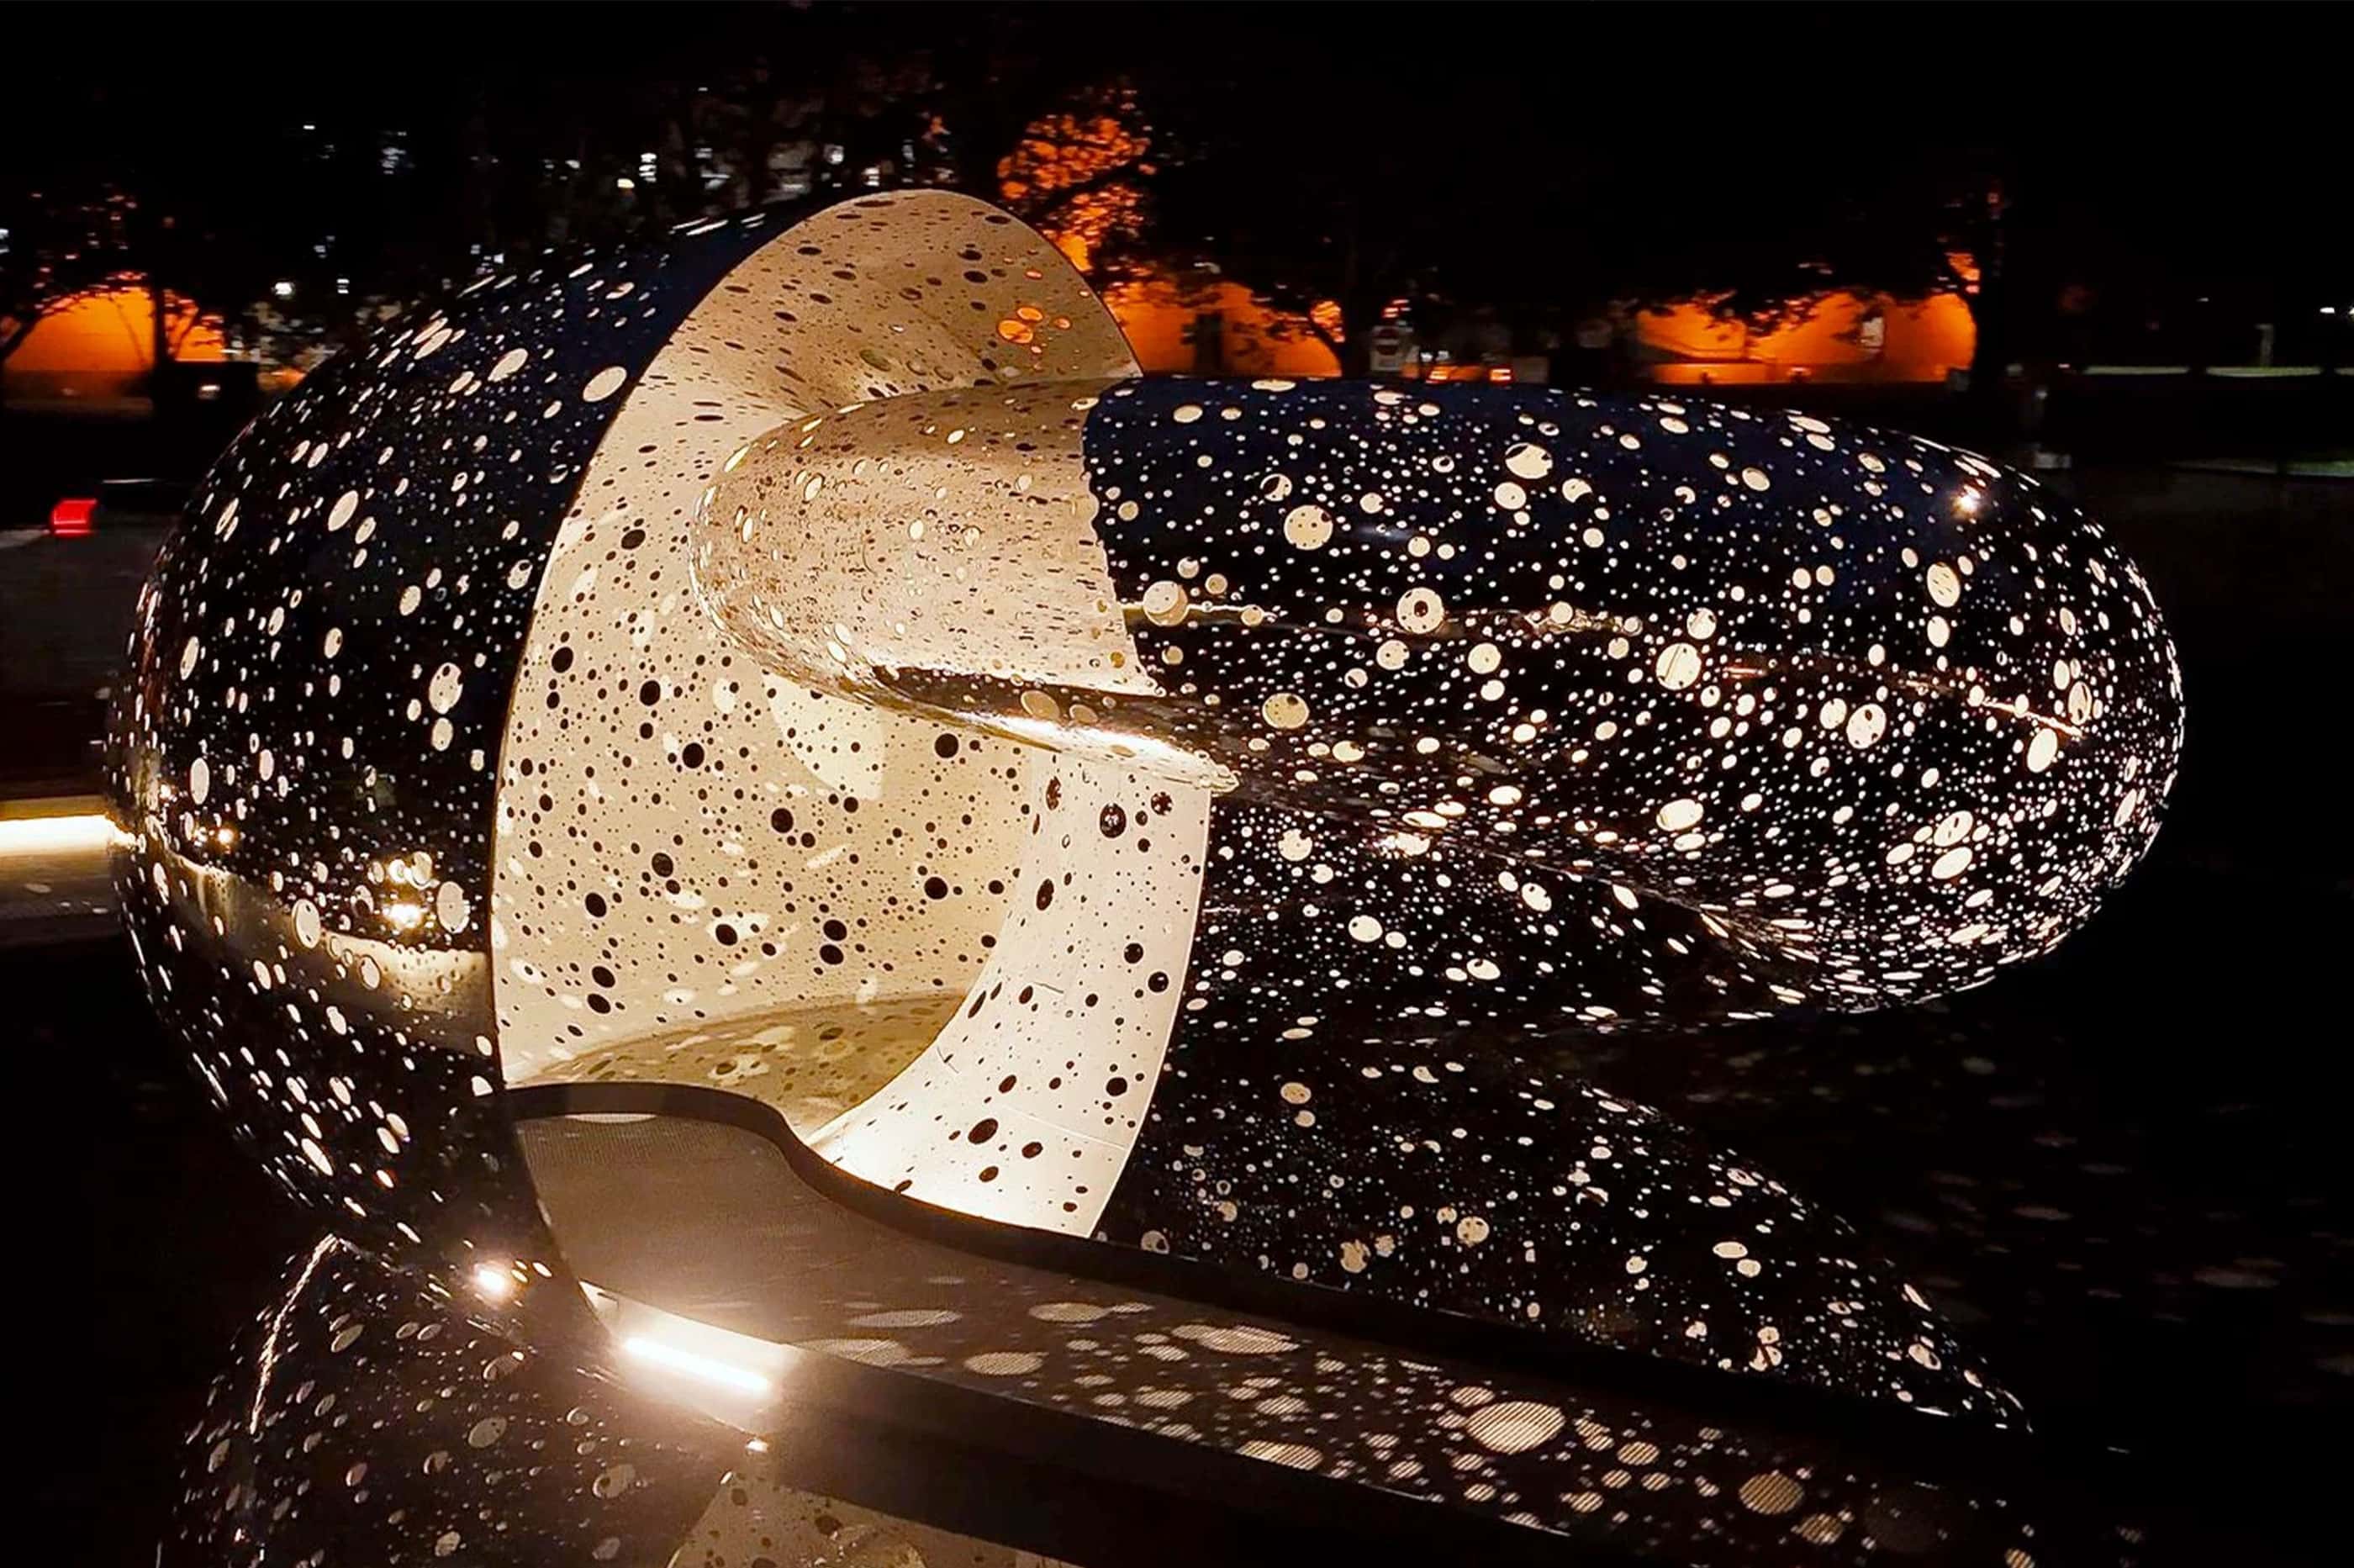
(54, 878)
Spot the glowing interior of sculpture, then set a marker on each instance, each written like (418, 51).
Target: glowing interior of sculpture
(809, 663)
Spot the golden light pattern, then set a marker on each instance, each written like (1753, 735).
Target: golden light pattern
(1828, 338)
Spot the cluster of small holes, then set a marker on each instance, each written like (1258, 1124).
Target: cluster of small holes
(1555, 713)
(1828, 717)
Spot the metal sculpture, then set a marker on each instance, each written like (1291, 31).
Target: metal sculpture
(805, 661)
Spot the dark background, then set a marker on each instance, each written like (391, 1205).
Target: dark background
(2131, 180)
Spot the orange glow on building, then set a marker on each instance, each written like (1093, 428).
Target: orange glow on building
(1919, 339)
(1461, 371)
(115, 328)
(101, 344)
(1162, 320)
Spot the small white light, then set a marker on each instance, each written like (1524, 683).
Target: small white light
(493, 1284)
(706, 1368)
(282, 288)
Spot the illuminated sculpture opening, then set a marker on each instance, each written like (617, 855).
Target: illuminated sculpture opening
(809, 664)
(814, 883)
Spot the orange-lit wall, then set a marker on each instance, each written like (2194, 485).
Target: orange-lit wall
(1925, 338)
(1259, 340)
(100, 346)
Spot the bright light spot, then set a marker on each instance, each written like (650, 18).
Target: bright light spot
(625, 183)
(283, 289)
(493, 1284)
(706, 1369)
(54, 836)
(404, 917)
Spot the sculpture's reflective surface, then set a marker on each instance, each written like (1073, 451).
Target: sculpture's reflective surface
(378, 1420)
(802, 663)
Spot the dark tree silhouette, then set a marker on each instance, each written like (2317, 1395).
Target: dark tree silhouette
(1501, 171)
